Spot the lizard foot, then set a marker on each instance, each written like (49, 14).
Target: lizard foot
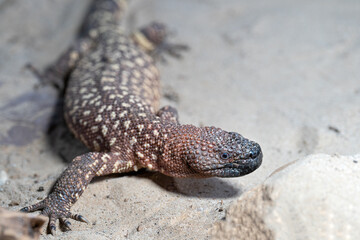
(48, 78)
(55, 208)
(169, 48)
(153, 39)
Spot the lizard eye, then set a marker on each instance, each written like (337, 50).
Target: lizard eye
(225, 155)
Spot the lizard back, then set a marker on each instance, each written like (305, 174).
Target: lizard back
(112, 89)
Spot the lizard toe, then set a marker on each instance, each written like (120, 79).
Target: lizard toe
(32, 208)
(79, 218)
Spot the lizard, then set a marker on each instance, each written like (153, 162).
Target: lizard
(112, 105)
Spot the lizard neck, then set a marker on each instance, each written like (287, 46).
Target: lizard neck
(176, 142)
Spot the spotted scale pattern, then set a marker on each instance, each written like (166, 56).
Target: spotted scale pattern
(112, 106)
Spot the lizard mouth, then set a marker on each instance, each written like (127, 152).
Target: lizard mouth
(237, 168)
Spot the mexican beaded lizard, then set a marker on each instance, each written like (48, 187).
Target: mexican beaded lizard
(111, 100)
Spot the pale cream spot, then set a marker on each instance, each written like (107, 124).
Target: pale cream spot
(83, 90)
(94, 129)
(74, 56)
(116, 165)
(123, 114)
(74, 109)
(89, 81)
(83, 104)
(112, 115)
(106, 88)
(115, 67)
(86, 113)
(107, 79)
(135, 168)
(153, 156)
(87, 96)
(100, 172)
(112, 141)
(150, 166)
(146, 145)
(139, 154)
(98, 118)
(140, 61)
(104, 130)
(140, 127)
(126, 124)
(94, 163)
(142, 115)
(156, 133)
(104, 158)
(109, 108)
(129, 164)
(129, 64)
(133, 141)
(125, 105)
(116, 124)
(112, 96)
(93, 33)
(102, 109)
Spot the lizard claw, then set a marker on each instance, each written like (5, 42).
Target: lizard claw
(55, 208)
(65, 222)
(171, 49)
(53, 230)
(79, 218)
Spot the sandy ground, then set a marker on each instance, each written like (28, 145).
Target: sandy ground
(283, 73)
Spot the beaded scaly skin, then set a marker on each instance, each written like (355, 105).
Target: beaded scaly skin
(111, 105)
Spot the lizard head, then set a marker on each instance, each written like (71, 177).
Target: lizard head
(213, 152)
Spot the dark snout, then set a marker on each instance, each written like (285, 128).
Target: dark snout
(245, 165)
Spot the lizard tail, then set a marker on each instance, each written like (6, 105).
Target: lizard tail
(102, 13)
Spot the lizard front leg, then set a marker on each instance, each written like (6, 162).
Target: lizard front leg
(73, 182)
(56, 73)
